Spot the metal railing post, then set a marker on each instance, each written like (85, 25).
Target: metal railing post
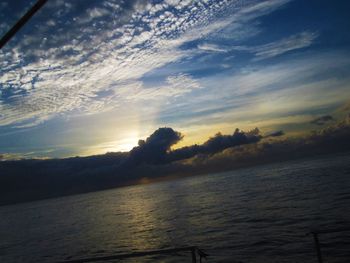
(194, 257)
(317, 246)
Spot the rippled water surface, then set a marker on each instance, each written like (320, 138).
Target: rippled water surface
(259, 214)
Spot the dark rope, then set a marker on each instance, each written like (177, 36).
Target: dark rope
(7, 37)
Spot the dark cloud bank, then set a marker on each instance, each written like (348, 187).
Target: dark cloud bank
(153, 159)
(322, 120)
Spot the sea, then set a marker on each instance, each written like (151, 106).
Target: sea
(258, 214)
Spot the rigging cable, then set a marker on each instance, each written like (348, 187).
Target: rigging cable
(24, 19)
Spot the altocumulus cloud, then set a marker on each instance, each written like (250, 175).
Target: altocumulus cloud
(106, 46)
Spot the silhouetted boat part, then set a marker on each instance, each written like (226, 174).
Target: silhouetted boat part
(315, 234)
(24, 19)
(194, 252)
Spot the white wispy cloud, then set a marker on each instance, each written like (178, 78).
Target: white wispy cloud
(212, 48)
(265, 94)
(294, 42)
(272, 49)
(175, 86)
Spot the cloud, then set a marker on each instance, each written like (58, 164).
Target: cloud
(216, 144)
(275, 134)
(276, 48)
(289, 88)
(211, 48)
(279, 47)
(93, 14)
(269, 50)
(298, 41)
(174, 86)
(150, 158)
(15, 156)
(322, 120)
(154, 159)
(220, 142)
(345, 107)
(106, 47)
(154, 149)
(332, 139)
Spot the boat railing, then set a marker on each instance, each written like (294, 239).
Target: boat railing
(195, 253)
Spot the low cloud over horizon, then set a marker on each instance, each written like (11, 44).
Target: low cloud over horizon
(154, 159)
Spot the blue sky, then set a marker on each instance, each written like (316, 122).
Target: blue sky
(87, 77)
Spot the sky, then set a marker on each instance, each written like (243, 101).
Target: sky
(90, 77)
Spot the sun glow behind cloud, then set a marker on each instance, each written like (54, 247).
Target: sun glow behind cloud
(119, 145)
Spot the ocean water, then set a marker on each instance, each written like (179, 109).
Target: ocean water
(259, 214)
